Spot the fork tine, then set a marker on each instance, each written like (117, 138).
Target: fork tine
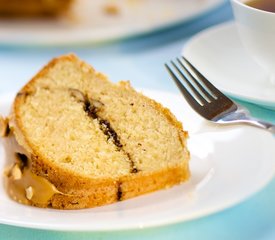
(210, 86)
(194, 90)
(209, 96)
(190, 99)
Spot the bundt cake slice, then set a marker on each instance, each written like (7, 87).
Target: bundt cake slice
(33, 8)
(77, 140)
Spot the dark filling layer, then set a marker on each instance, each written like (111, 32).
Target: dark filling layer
(22, 160)
(133, 167)
(105, 126)
(119, 192)
(91, 107)
(24, 94)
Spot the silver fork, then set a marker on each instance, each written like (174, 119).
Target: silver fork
(207, 100)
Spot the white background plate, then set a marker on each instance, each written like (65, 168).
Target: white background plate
(88, 23)
(224, 169)
(219, 54)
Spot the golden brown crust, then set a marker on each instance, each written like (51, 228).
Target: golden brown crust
(130, 187)
(83, 192)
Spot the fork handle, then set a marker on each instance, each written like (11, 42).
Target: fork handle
(242, 115)
(247, 119)
(260, 124)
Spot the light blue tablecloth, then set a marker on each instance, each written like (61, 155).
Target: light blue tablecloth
(141, 60)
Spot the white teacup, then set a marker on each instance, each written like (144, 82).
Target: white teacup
(257, 32)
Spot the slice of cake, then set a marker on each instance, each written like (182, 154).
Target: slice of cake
(76, 140)
(33, 8)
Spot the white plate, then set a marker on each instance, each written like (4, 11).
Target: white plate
(220, 56)
(89, 23)
(227, 165)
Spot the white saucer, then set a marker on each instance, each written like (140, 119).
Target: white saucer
(224, 172)
(218, 53)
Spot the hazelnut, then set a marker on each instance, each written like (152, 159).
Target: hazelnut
(96, 103)
(16, 172)
(29, 192)
(78, 95)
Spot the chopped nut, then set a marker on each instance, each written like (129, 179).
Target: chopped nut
(96, 103)
(29, 192)
(78, 95)
(4, 127)
(16, 172)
